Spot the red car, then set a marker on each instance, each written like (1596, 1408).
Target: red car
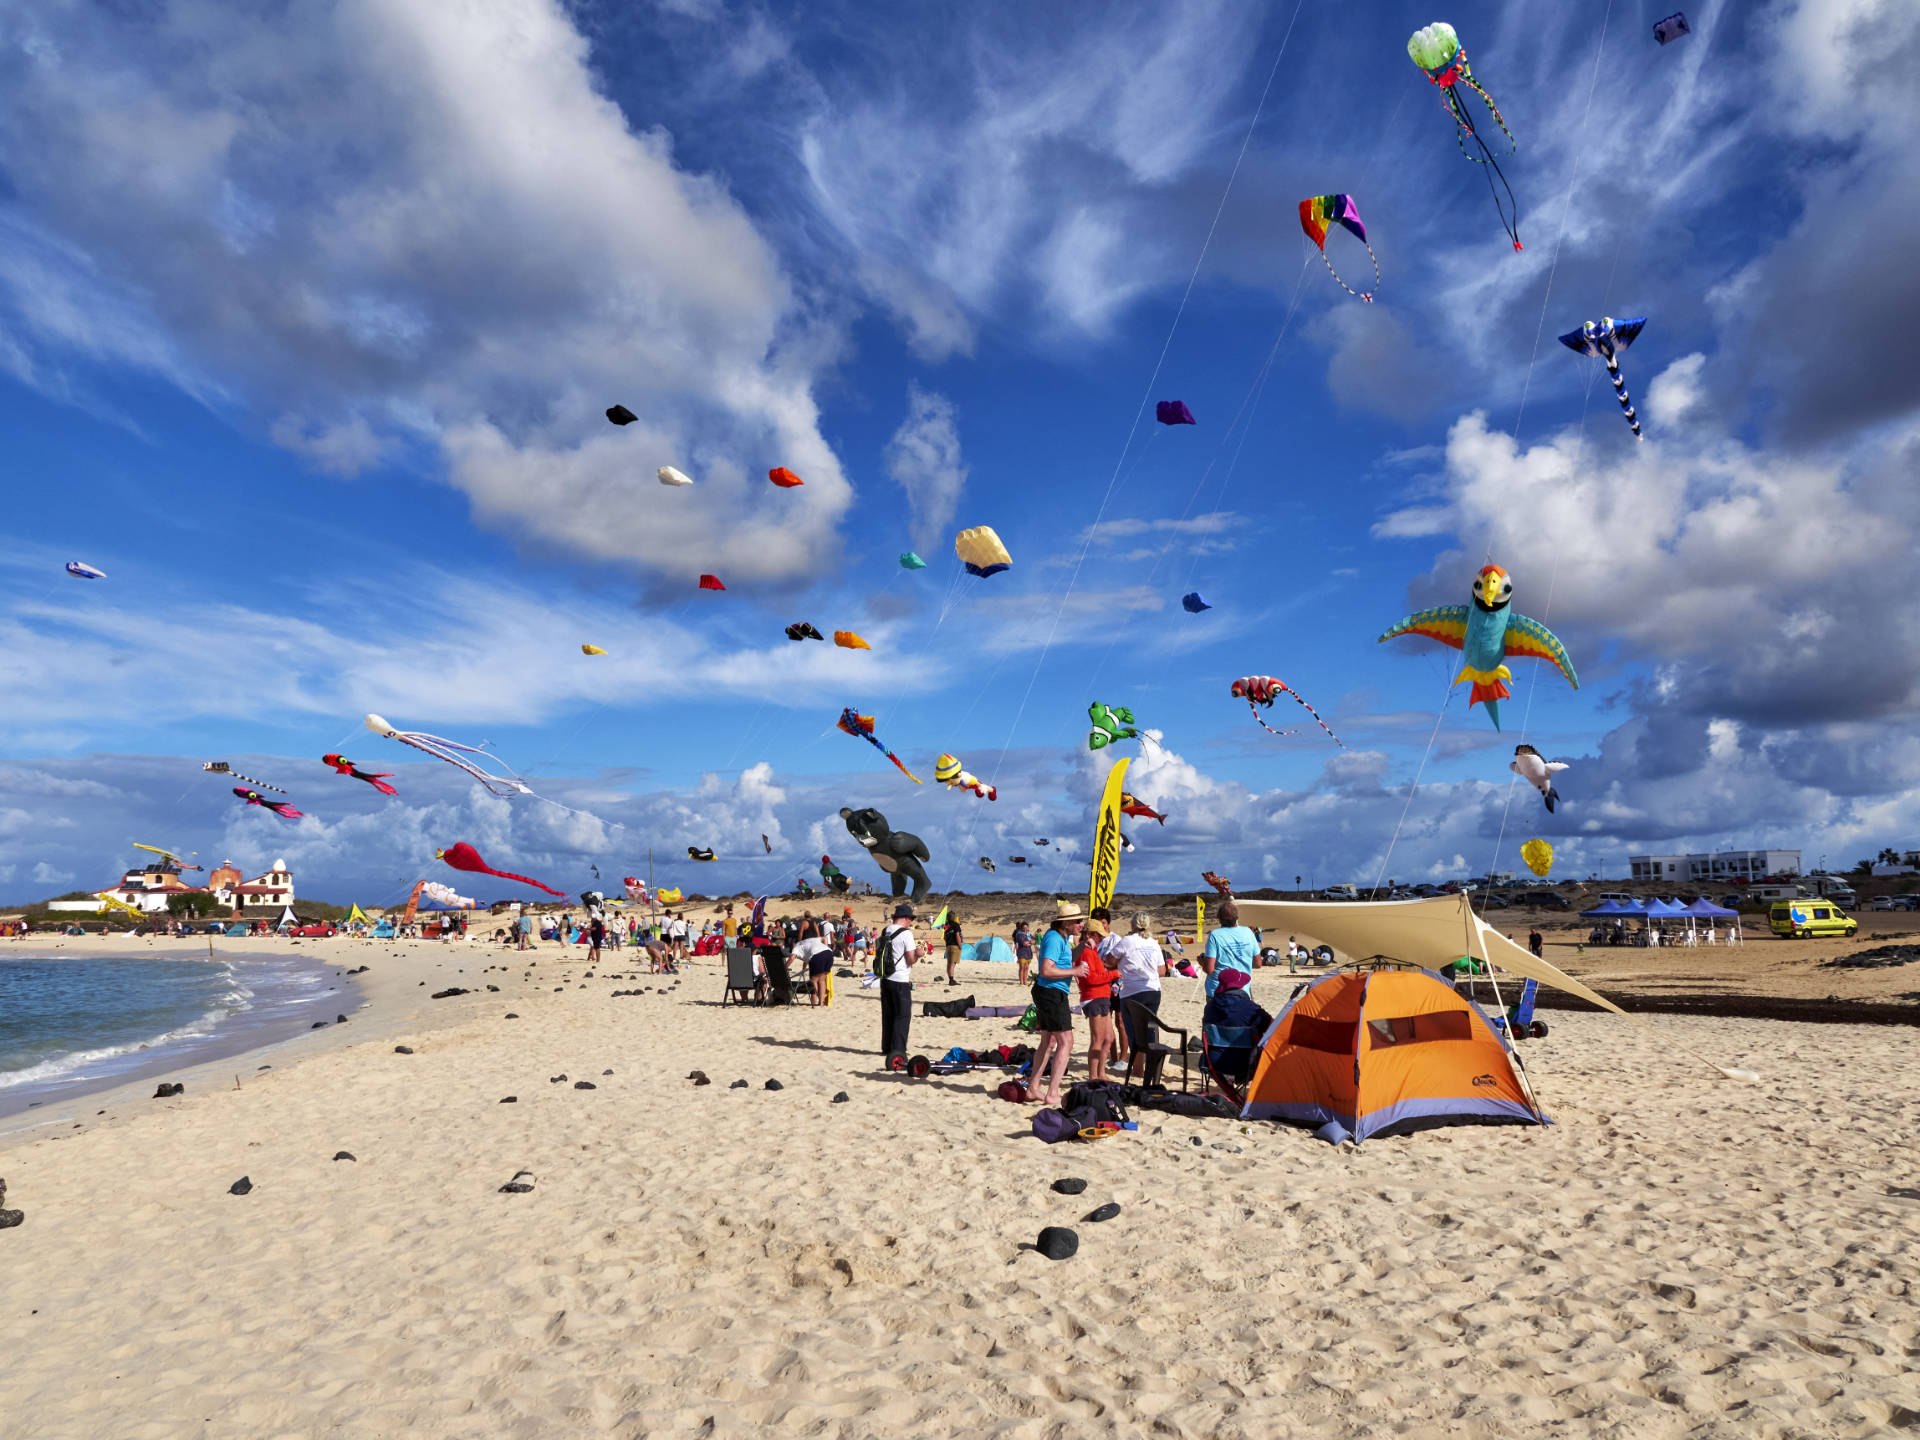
(321, 931)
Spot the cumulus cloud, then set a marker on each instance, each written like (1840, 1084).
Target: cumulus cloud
(923, 458)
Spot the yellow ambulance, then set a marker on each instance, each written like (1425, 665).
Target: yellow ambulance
(1799, 919)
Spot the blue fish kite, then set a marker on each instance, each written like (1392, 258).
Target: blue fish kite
(1487, 633)
(1193, 604)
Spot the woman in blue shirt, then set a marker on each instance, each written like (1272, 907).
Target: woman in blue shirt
(1053, 1011)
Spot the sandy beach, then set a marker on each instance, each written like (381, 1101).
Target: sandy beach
(1678, 1255)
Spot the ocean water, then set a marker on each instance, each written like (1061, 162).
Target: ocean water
(69, 1024)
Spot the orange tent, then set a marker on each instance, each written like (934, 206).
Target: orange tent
(1363, 1051)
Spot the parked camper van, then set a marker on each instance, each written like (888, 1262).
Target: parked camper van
(1803, 918)
(1767, 893)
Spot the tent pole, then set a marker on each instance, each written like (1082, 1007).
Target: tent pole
(1506, 1027)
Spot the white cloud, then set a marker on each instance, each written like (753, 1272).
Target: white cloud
(923, 458)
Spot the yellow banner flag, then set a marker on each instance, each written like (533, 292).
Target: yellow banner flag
(1106, 841)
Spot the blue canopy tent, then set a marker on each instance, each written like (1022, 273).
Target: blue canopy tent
(1704, 906)
(1614, 909)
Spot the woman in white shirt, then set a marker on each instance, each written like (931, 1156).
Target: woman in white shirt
(1141, 963)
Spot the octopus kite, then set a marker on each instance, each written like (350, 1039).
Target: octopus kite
(861, 727)
(454, 753)
(1488, 633)
(1436, 49)
(347, 767)
(463, 856)
(284, 809)
(1260, 691)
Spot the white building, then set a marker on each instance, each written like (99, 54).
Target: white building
(148, 888)
(1727, 866)
(275, 888)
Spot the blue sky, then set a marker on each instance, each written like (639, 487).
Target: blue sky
(307, 321)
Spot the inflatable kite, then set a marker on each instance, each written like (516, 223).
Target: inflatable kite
(1317, 213)
(669, 897)
(1111, 725)
(986, 864)
(1672, 28)
(766, 844)
(1043, 842)
(1174, 412)
(1218, 882)
(1260, 691)
(946, 769)
(621, 415)
(283, 808)
(636, 889)
(1538, 772)
(84, 572)
(1436, 49)
(464, 857)
(1488, 633)
(591, 650)
(836, 883)
(711, 582)
(784, 477)
(347, 767)
(1539, 856)
(861, 727)
(981, 552)
(172, 857)
(911, 561)
(801, 630)
(847, 640)
(220, 767)
(667, 475)
(454, 753)
(1192, 603)
(703, 856)
(1605, 341)
(1139, 809)
(1017, 860)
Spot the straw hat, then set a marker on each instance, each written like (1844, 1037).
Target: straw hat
(1067, 910)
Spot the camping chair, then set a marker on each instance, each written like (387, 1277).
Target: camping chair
(1152, 1057)
(742, 984)
(1211, 1069)
(779, 978)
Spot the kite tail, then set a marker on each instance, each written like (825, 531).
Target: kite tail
(1318, 721)
(903, 769)
(379, 782)
(287, 812)
(528, 880)
(1620, 394)
(1552, 798)
(1253, 711)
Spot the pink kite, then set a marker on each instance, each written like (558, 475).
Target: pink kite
(464, 857)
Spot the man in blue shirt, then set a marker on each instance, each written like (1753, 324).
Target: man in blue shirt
(1230, 947)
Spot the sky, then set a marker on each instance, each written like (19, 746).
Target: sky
(310, 312)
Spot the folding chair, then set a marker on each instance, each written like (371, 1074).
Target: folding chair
(1152, 1057)
(743, 985)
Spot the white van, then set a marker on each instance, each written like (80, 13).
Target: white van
(1340, 892)
(1773, 892)
(1619, 897)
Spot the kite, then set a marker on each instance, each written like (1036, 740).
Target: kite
(1436, 49)
(591, 650)
(445, 897)
(911, 561)
(836, 882)
(1174, 412)
(1487, 633)
(711, 582)
(81, 571)
(1317, 213)
(667, 475)
(801, 630)
(1192, 603)
(464, 857)
(768, 844)
(1218, 882)
(1043, 842)
(283, 808)
(347, 767)
(784, 477)
(1605, 341)
(636, 888)
(981, 552)
(669, 897)
(1537, 772)
(861, 726)
(847, 640)
(1139, 809)
(1125, 843)
(171, 857)
(454, 753)
(621, 415)
(1017, 860)
(1260, 691)
(986, 864)
(946, 769)
(220, 767)
(1539, 856)
(1110, 725)
(703, 856)
(1672, 28)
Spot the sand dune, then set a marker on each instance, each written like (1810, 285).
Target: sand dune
(1677, 1256)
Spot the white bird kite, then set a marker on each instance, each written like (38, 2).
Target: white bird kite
(1537, 772)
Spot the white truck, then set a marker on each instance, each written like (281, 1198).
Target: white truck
(1830, 887)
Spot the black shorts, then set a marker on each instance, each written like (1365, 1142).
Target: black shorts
(1094, 1009)
(820, 965)
(1051, 1009)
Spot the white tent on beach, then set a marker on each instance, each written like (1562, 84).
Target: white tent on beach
(287, 917)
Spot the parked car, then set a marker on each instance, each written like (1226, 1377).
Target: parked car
(1907, 902)
(1545, 900)
(1491, 901)
(1882, 902)
(320, 931)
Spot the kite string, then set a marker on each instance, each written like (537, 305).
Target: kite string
(1387, 858)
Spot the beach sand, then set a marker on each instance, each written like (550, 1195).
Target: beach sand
(1678, 1255)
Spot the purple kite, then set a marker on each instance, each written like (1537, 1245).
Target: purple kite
(1174, 412)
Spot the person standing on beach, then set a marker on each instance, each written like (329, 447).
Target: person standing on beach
(1141, 964)
(1535, 943)
(953, 941)
(596, 937)
(1231, 946)
(1096, 996)
(1054, 1016)
(893, 959)
(524, 925)
(1023, 949)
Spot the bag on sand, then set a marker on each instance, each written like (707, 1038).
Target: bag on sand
(1012, 1090)
(1093, 1101)
(1053, 1126)
(1031, 1020)
(946, 1009)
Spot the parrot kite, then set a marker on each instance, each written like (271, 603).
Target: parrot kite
(946, 769)
(1140, 810)
(1218, 882)
(463, 856)
(1262, 690)
(1487, 633)
(347, 767)
(283, 808)
(1605, 341)
(1111, 725)
(1537, 772)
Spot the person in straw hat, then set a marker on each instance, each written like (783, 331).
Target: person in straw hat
(1054, 1013)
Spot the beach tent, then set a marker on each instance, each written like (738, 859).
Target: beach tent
(1610, 909)
(1658, 909)
(287, 917)
(1360, 1052)
(384, 930)
(1704, 906)
(356, 916)
(988, 947)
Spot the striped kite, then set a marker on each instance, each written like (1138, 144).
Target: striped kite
(1260, 691)
(1605, 341)
(1318, 213)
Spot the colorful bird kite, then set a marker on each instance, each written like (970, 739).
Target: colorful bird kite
(784, 477)
(1317, 213)
(703, 856)
(1436, 49)
(1139, 809)
(1174, 412)
(1192, 603)
(621, 415)
(911, 561)
(847, 640)
(1605, 341)
(347, 767)
(464, 857)
(981, 552)
(1218, 882)
(1538, 772)
(454, 753)
(220, 767)
(1260, 691)
(591, 650)
(861, 726)
(667, 475)
(802, 630)
(81, 571)
(1111, 725)
(1539, 856)
(1672, 28)
(946, 769)
(283, 808)
(1488, 633)
(711, 582)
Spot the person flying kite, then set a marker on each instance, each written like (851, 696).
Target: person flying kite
(1488, 633)
(1605, 341)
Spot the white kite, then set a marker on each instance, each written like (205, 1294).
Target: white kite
(1537, 772)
